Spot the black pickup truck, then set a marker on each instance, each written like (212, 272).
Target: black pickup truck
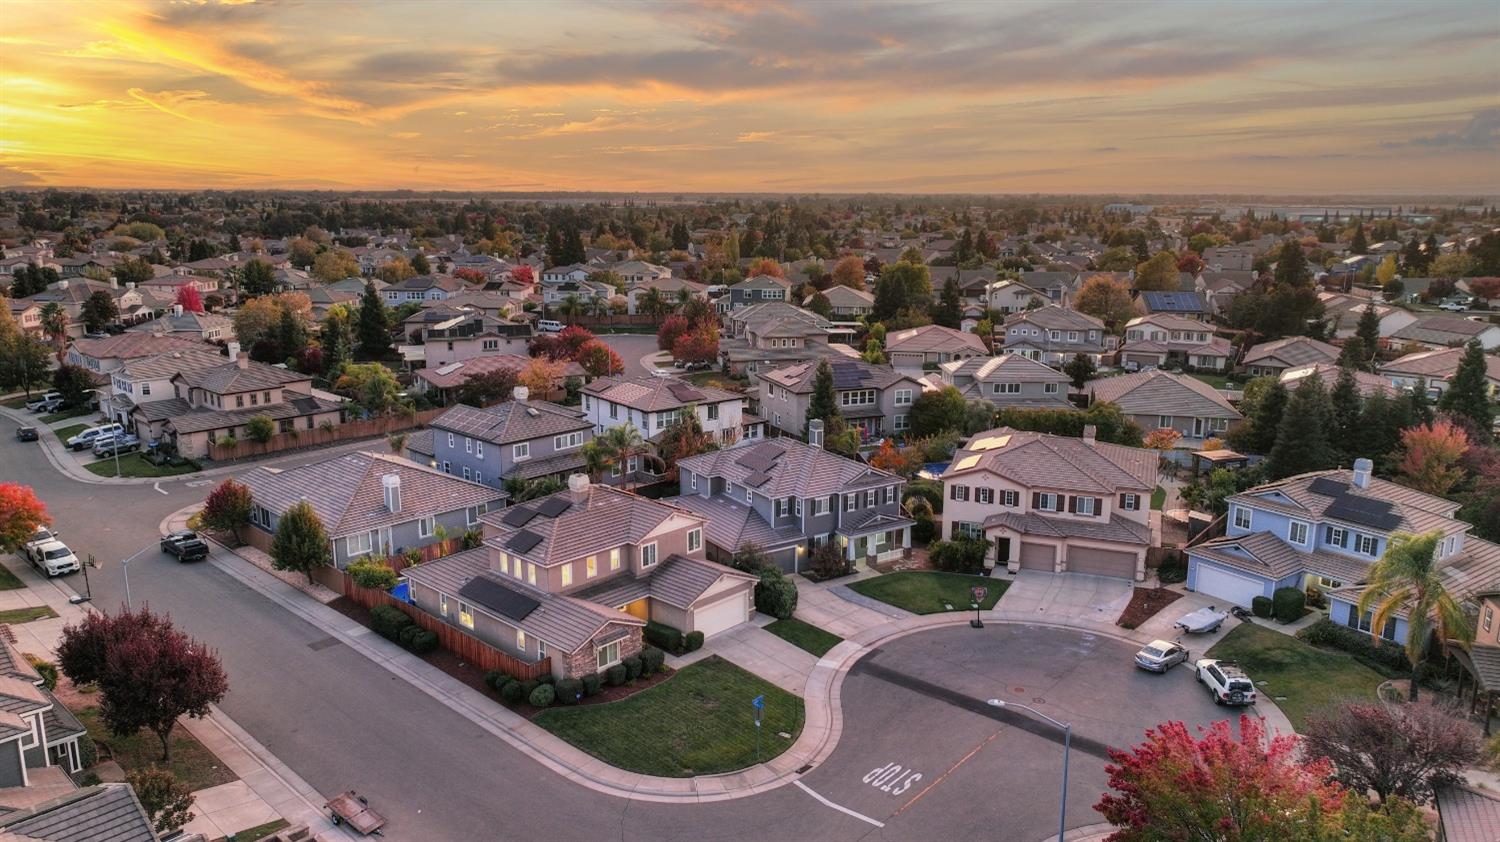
(186, 545)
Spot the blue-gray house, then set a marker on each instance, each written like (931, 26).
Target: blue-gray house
(518, 438)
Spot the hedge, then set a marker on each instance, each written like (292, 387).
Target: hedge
(665, 637)
(389, 621)
(372, 574)
(632, 667)
(1288, 604)
(495, 679)
(543, 696)
(775, 595)
(1260, 606)
(528, 687)
(695, 638)
(652, 660)
(1381, 654)
(570, 691)
(593, 684)
(615, 675)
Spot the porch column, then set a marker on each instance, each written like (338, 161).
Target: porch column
(906, 537)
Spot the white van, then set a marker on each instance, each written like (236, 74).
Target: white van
(548, 326)
(87, 437)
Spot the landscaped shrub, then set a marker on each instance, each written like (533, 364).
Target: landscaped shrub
(928, 490)
(1173, 569)
(615, 675)
(1260, 606)
(665, 637)
(652, 660)
(512, 691)
(775, 595)
(543, 696)
(547, 678)
(472, 539)
(593, 684)
(1381, 654)
(923, 529)
(88, 752)
(695, 640)
(408, 633)
(1288, 604)
(1315, 597)
(413, 557)
(495, 679)
(632, 667)
(961, 555)
(388, 621)
(827, 562)
(422, 642)
(369, 573)
(528, 686)
(569, 691)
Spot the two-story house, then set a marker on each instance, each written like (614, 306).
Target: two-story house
(925, 347)
(39, 736)
(757, 290)
(788, 498)
(166, 287)
(1009, 380)
(519, 438)
(572, 578)
(1054, 335)
(103, 356)
(874, 399)
(672, 290)
(1269, 359)
(652, 404)
(1053, 503)
(468, 335)
(1163, 338)
(1009, 296)
(372, 505)
(571, 273)
(147, 379)
(1162, 400)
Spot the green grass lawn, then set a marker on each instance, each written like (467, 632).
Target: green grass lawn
(75, 412)
(8, 580)
(135, 465)
(804, 636)
(260, 831)
(65, 433)
(1215, 380)
(194, 765)
(26, 615)
(698, 722)
(1158, 498)
(16, 403)
(1309, 678)
(922, 592)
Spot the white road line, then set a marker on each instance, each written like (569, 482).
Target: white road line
(842, 809)
(157, 486)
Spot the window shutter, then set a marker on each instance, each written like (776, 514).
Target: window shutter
(1121, 504)
(1098, 506)
(1036, 500)
(1072, 505)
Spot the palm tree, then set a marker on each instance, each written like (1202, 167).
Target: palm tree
(619, 444)
(1407, 579)
(598, 306)
(55, 324)
(595, 459)
(571, 308)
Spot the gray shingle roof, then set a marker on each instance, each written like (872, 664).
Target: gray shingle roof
(1468, 814)
(1419, 512)
(604, 518)
(1292, 351)
(731, 524)
(1162, 393)
(847, 374)
(795, 469)
(1438, 365)
(934, 338)
(229, 378)
(656, 394)
(1442, 330)
(165, 365)
(132, 345)
(1053, 317)
(1006, 368)
(511, 421)
(103, 813)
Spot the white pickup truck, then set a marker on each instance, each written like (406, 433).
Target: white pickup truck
(1226, 682)
(52, 558)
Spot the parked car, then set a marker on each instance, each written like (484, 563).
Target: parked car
(41, 536)
(699, 365)
(110, 445)
(171, 539)
(186, 549)
(548, 326)
(26, 434)
(53, 558)
(36, 404)
(661, 372)
(87, 437)
(1160, 656)
(1226, 682)
(1453, 306)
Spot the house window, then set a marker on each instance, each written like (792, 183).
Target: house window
(1010, 498)
(1338, 536)
(541, 649)
(857, 397)
(357, 544)
(1005, 388)
(468, 445)
(1363, 621)
(890, 494)
(447, 467)
(479, 449)
(145, 388)
(900, 423)
(466, 472)
(748, 499)
(505, 564)
(648, 555)
(607, 656)
(1366, 545)
(521, 451)
(591, 567)
(465, 615)
(530, 573)
(1298, 532)
(1084, 505)
(962, 529)
(1049, 388)
(521, 640)
(693, 481)
(797, 506)
(1241, 517)
(695, 539)
(958, 492)
(567, 575)
(784, 507)
(984, 495)
(1164, 421)
(567, 441)
(239, 400)
(443, 605)
(1130, 502)
(819, 506)
(713, 412)
(450, 439)
(903, 397)
(426, 527)
(614, 559)
(1489, 617)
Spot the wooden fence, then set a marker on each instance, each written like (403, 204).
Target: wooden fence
(466, 646)
(385, 425)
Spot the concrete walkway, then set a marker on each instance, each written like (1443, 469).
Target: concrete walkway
(750, 647)
(833, 607)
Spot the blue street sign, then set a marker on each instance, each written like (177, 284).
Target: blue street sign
(759, 702)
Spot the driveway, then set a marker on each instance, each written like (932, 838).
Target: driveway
(822, 606)
(1078, 595)
(756, 650)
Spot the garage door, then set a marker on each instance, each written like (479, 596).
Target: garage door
(724, 614)
(1215, 581)
(1102, 562)
(1038, 557)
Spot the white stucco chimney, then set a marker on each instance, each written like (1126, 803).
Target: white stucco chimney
(815, 432)
(578, 487)
(176, 309)
(391, 485)
(233, 348)
(521, 393)
(1362, 469)
(114, 283)
(1090, 434)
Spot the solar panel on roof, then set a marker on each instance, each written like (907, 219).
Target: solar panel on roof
(1327, 486)
(488, 593)
(1379, 514)
(848, 376)
(518, 516)
(684, 392)
(757, 479)
(554, 506)
(523, 541)
(990, 443)
(966, 463)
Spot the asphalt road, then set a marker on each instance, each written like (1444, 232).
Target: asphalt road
(341, 722)
(631, 347)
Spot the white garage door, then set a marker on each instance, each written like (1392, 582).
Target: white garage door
(1214, 581)
(724, 614)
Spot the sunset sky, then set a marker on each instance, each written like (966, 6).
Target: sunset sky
(1378, 97)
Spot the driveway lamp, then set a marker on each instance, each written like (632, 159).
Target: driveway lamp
(1062, 808)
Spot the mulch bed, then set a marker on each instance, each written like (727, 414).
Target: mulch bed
(1144, 604)
(473, 676)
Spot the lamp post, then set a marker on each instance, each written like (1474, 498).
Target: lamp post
(1067, 729)
(126, 565)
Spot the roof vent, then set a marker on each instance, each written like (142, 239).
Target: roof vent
(521, 393)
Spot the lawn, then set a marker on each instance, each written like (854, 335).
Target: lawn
(65, 433)
(804, 636)
(1310, 679)
(26, 615)
(193, 764)
(75, 412)
(1158, 498)
(9, 580)
(135, 465)
(16, 403)
(697, 722)
(260, 831)
(925, 593)
(1217, 381)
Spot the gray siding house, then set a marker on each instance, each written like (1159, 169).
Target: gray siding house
(1162, 400)
(875, 399)
(519, 438)
(1009, 380)
(1053, 335)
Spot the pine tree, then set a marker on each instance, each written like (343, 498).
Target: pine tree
(1416, 407)
(374, 325)
(1379, 430)
(1267, 419)
(1468, 393)
(824, 403)
(554, 247)
(300, 544)
(1368, 331)
(1291, 265)
(949, 311)
(1302, 443)
(1358, 245)
(1347, 403)
(291, 335)
(573, 246)
(1352, 355)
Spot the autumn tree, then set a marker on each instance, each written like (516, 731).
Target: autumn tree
(301, 543)
(1385, 273)
(335, 265)
(20, 515)
(227, 508)
(1158, 273)
(371, 385)
(1431, 454)
(166, 800)
(1394, 751)
(1162, 439)
(260, 318)
(488, 388)
(600, 360)
(1485, 289)
(1107, 300)
(98, 310)
(148, 673)
(1452, 266)
(189, 299)
(765, 266)
(1468, 393)
(849, 272)
(699, 345)
(541, 375)
(902, 461)
(672, 327)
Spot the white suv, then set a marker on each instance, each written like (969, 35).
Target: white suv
(53, 558)
(1226, 682)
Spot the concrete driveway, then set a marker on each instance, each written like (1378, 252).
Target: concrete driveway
(752, 648)
(1076, 595)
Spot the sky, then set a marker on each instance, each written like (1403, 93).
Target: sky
(743, 96)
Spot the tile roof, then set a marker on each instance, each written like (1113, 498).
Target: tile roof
(1040, 460)
(420, 441)
(1369, 384)
(1265, 554)
(795, 469)
(174, 362)
(730, 524)
(656, 394)
(847, 374)
(1162, 393)
(1116, 528)
(197, 419)
(186, 322)
(1053, 317)
(1438, 365)
(13, 664)
(1005, 368)
(934, 338)
(347, 495)
(1418, 512)
(1468, 814)
(511, 421)
(600, 518)
(132, 345)
(104, 813)
(1442, 330)
(19, 696)
(228, 378)
(1292, 351)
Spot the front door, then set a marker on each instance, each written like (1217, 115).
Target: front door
(1197, 428)
(1002, 550)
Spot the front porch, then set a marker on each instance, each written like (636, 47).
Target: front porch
(880, 539)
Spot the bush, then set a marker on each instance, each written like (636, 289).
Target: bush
(923, 530)
(1173, 568)
(88, 752)
(543, 696)
(1260, 606)
(593, 684)
(369, 573)
(615, 675)
(46, 669)
(775, 595)
(512, 691)
(388, 621)
(547, 678)
(695, 638)
(1382, 655)
(961, 555)
(928, 490)
(472, 539)
(408, 633)
(1315, 597)
(528, 686)
(1288, 604)
(495, 679)
(569, 691)
(652, 660)
(665, 637)
(422, 642)
(632, 667)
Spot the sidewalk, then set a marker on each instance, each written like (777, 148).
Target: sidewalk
(832, 606)
(752, 648)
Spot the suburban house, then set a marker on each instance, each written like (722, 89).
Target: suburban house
(788, 498)
(1163, 400)
(1009, 296)
(471, 334)
(1269, 359)
(848, 303)
(205, 327)
(440, 383)
(929, 345)
(1054, 335)
(1368, 384)
(372, 505)
(1008, 380)
(874, 399)
(422, 288)
(584, 291)
(571, 273)
(756, 290)
(70, 293)
(652, 404)
(146, 379)
(1444, 331)
(672, 290)
(39, 736)
(572, 578)
(519, 438)
(761, 336)
(1436, 369)
(102, 356)
(106, 811)
(1053, 503)
(1184, 303)
(638, 272)
(1159, 339)
(1342, 311)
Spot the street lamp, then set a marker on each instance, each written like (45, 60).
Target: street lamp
(126, 565)
(1067, 729)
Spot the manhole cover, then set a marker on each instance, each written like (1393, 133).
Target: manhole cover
(1038, 700)
(319, 645)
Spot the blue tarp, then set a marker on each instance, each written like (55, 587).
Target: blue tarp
(932, 470)
(402, 591)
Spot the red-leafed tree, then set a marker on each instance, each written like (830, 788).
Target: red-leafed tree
(227, 508)
(765, 266)
(849, 272)
(1394, 751)
(1485, 289)
(672, 328)
(467, 275)
(1176, 786)
(598, 359)
(149, 674)
(1430, 456)
(20, 515)
(188, 297)
(1191, 263)
(523, 274)
(562, 346)
(701, 345)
